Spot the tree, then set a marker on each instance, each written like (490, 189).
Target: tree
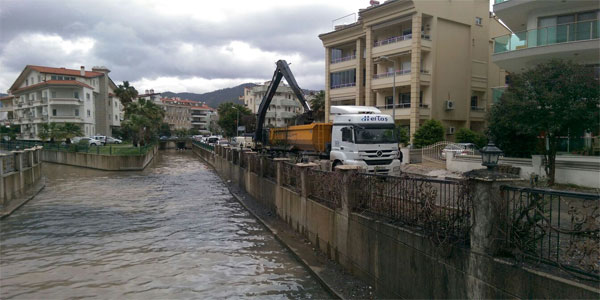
(164, 130)
(10, 132)
(402, 135)
(431, 132)
(228, 116)
(466, 135)
(68, 131)
(317, 104)
(126, 93)
(142, 120)
(543, 103)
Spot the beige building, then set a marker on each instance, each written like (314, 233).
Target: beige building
(187, 114)
(438, 51)
(59, 95)
(284, 106)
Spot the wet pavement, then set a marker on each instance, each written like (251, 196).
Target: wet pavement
(171, 231)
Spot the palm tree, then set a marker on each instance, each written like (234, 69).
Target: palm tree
(142, 120)
(126, 93)
(317, 104)
(69, 131)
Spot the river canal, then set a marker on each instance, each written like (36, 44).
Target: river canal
(171, 231)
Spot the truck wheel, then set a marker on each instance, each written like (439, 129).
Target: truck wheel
(335, 164)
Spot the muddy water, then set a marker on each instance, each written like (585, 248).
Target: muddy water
(172, 231)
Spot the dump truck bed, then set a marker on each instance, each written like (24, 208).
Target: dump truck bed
(313, 137)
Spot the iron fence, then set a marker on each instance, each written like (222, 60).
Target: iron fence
(325, 187)
(204, 146)
(290, 176)
(254, 161)
(553, 227)
(26, 160)
(8, 164)
(442, 208)
(269, 168)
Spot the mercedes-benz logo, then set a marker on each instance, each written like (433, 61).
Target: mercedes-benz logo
(379, 153)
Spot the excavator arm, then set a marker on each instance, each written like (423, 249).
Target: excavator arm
(282, 70)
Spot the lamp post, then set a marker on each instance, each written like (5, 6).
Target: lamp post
(490, 155)
(393, 88)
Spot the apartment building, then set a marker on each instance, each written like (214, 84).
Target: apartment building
(438, 53)
(284, 106)
(59, 95)
(187, 114)
(6, 110)
(546, 29)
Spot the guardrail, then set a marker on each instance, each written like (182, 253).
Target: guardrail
(554, 227)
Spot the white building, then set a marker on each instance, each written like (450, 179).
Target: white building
(59, 95)
(283, 108)
(546, 29)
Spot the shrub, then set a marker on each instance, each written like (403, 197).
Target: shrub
(431, 132)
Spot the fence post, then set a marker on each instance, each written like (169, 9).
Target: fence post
(19, 167)
(97, 150)
(2, 198)
(279, 161)
(488, 203)
(110, 150)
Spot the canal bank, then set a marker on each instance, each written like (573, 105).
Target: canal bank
(170, 231)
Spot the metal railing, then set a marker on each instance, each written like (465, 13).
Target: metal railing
(76, 147)
(553, 227)
(204, 145)
(254, 162)
(270, 169)
(337, 86)
(390, 106)
(324, 187)
(441, 208)
(343, 59)
(543, 36)
(290, 176)
(390, 74)
(8, 164)
(392, 40)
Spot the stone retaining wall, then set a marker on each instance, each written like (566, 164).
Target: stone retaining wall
(100, 161)
(20, 178)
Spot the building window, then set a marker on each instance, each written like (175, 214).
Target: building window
(53, 94)
(474, 101)
(32, 80)
(54, 112)
(87, 96)
(26, 82)
(76, 112)
(478, 21)
(343, 79)
(89, 113)
(76, 94)
(116, 119)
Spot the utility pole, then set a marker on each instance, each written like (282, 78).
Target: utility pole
(393, 89)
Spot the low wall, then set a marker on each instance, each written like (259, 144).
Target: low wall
(579, 170)
(100, 161)
(20, 178)
(398, 262)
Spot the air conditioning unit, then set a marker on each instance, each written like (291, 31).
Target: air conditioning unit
(449, 104)
(451, 130)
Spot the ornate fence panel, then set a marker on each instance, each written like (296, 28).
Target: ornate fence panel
(555, 227)
(270, 169)
(433, 153)
(290, 176)
(442, 208)
(8, 164)
(325, 187)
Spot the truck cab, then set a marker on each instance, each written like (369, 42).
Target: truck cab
(362, 136)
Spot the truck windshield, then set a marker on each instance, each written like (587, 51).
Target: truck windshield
(375, 135)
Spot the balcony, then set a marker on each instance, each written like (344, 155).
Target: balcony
(386, 80)
(66, 101)
(67, 118)
(578, 41)
(342, 63)
(478, 112)
(396, 44)
(343, 59)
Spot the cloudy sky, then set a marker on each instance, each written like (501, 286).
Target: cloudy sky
(174, 45)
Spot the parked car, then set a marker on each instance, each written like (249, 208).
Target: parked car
(212, 140)
(82, 140)
(460, 149)
(112, 140)
(101, 138)
(164, 138)
(223, 142)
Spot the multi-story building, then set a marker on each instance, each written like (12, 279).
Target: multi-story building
(437, 52)
(187, 114)
(7, 110)
(284, 106)
(59, 95)
(546, 29)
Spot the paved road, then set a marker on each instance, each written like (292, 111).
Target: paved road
(172, 231)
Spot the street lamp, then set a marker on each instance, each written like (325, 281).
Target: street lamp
(393, 88)
(237, 123)
(490, 155)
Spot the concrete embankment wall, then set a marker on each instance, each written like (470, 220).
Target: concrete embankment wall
(99, 161)
(20, 178)
(398, 262)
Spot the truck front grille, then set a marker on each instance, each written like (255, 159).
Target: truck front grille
(378, 162)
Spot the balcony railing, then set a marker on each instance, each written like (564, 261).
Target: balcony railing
(543, 36)
(343, 85)
(390, 74)
(398, 39)
(499, 1)
(390, 106)
(342, 59)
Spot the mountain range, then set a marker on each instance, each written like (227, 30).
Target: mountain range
(214, 98)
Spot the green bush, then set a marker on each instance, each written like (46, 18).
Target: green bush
(431, 132)
(402, 135)
(466, 135)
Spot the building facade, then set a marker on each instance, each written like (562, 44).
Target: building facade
(59, 95)
(546, 29)
(187, 114)
(438, 53)
(284, 106)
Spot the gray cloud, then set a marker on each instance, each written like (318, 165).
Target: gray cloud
(135, 42)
